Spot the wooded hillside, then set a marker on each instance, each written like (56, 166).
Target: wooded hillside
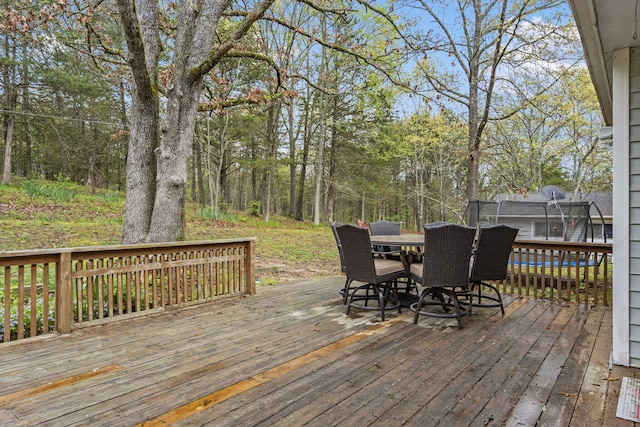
(38, 214)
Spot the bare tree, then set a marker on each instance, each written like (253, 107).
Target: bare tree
(478, 38)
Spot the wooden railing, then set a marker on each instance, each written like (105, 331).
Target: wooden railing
(566, 271)
(59, 290)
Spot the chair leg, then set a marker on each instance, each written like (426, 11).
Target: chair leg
(497, 298)
(345, 291)
(353, 296)
(392, 287)
(438, 293)
(381, 300)
(418, 304)
(456, 305)
(374, 291)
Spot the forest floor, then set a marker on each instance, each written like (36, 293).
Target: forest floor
(44, 214)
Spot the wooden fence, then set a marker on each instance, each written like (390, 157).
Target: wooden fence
(556, 270)
(59, 290)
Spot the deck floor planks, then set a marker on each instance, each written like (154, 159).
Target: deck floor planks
(431, 370)
(609, 418)
(439, 373)
(446, 406)
(235, 360)
(407, 361)
(590, 404)
(505, 397)
(520, 360)
(410, 375)
(389, 371)
(170, 360)
(302, 335)
(99, 339)
(534, 400)
(132, 375)
(576, 379)
(343, 374)
(273, 386)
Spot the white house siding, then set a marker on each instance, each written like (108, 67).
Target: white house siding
(634, 207)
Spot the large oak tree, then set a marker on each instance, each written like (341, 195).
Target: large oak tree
(156, 193)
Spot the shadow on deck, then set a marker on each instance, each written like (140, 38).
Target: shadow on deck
(290, 356)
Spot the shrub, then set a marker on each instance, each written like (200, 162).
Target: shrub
(254, 209)
(47, 191)
(209, 214)
(27, 319)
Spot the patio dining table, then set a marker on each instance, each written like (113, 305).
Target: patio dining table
(404, 239)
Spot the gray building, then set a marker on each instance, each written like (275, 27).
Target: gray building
(577, 217)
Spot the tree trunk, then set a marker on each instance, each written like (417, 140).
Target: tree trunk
(272, 148)
(319, 163)
(172, 157)
(332, 164)
(26, 106)
(140, 172)
(303, 164)
(140, 25)
(200, 172)
(10, 102)
(292, 161)
(160, 216)
(473, 145)
(8, 142)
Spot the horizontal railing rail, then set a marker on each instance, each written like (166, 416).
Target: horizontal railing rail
(42, 291)
(557, 270)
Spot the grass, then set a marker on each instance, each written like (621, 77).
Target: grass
(42, 214)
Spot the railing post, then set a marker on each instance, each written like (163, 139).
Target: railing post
(64, 294)
(250, 268)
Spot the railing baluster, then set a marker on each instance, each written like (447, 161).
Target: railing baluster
(20, 301)
(45, 298)
(7, 304)
(101, 297)
(536, 282)
(33, 316)
(90, 295)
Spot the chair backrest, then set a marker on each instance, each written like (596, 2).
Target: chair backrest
(384, 227)
(447, 254)
(492, 252)
(335, 234)
(390, 228)
(356, 248)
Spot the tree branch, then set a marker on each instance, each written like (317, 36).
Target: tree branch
(216, 55)
(369, 61)
(233, 53)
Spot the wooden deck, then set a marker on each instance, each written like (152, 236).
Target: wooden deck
(289, 356)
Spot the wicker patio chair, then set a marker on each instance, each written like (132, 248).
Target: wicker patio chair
(490, 263)
(391, 228)
(384, 227)
(345, 290)
(379, 275)
(444, 272)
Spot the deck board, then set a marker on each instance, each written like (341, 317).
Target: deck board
(289, 356)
